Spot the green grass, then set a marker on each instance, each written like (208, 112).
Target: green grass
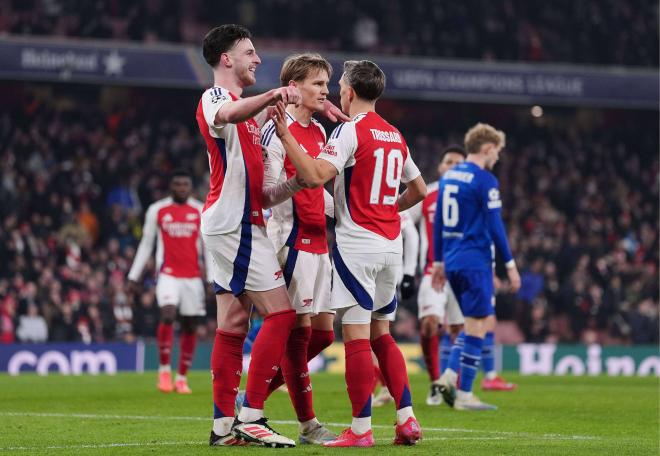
(124, 414)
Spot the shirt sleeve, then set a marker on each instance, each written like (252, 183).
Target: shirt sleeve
(273, 153)
(341, 146)
(492, 204)
(212, 100)
(149, 232)
(329, 203)
(410, 245)
(410, 170)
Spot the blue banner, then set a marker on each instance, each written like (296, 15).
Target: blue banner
(98, 62)
(115, 63)
(71, 358)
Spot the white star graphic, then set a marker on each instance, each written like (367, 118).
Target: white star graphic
(114, 63)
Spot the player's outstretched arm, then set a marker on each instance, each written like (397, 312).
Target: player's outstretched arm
(246, 108)
(312, 172)
(414, 193)
(498, 234)
(275, 191)
(149, 231)
(272, 196)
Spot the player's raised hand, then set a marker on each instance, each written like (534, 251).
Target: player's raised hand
(279, 119)
(289, 95)
(333, 113)
(438, 278)
(514, 279)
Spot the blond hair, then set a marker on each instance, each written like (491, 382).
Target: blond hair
(482, 134)
(297, 67)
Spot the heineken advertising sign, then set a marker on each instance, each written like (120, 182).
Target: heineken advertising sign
(552, 359)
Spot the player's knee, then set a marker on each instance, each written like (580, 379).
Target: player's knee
(454, 330)
(429, 326)
(189, 324)
(167, 315)
(379, 328)
(234, 322)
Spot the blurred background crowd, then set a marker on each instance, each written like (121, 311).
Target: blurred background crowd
(80, 164)
(580, 189)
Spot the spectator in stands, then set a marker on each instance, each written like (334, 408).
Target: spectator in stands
(32, 326)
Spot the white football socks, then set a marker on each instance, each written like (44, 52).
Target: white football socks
(309, 424)
(403, 414)
(222, 426)
(361, 425)
(248, 414)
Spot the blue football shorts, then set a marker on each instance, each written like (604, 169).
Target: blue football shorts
(474, 291)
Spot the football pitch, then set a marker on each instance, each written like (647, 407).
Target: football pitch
(125, 414)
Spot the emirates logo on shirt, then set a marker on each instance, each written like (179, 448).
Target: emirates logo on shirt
(254, 132)
(307, 302)
(179, 229)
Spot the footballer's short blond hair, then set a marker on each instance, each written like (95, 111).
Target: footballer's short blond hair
(482, 134)
(298, 67)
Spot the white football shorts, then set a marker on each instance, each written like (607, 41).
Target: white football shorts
(365, 282)
(430, 302)
(245, 260)
(185, 293)
(307, 276)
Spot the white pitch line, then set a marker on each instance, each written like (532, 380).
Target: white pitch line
(375, 426)
(97, 446)
(94, 446)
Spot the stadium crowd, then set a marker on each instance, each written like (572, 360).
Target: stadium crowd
(580, 191)
(509, 30)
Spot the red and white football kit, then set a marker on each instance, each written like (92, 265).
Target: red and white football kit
(297, 226)
(233, 226)
(429, 301)
(175, 230)
(372, 159)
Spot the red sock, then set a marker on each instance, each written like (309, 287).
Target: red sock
(226, 369)
(430, 348)
(394, 370)
(359, 381)
(267, 351)
(378, 377)
(164, 337)
(296, 373)
(186, 351)
(319, 341)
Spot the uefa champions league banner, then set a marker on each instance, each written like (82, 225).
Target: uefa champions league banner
(111, 62)
(71, 358)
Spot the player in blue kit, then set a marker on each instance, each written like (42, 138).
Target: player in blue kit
(468, 222)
